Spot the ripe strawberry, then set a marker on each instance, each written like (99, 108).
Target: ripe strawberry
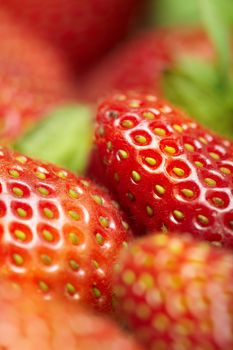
(166, 170)
(139, 64)
(29, 323)
(33, 78)
(59, 232)
(84, 30)
(176, 293)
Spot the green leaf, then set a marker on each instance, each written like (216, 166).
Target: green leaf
(64, 138)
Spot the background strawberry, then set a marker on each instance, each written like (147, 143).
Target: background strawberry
(166, 170)
(84, 30)
(59, 232)
(176, 293)
(33, 78)
(27, 323)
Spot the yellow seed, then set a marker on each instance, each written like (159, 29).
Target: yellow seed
(160, 132)
(210, 182)
(85, 183)
(48, 213)
(198, 164)
(21, 212)
(73, 194)
(143, 311)
(70, 288)
(104, 221)
(131, 196)
(14, 173)
(95, 264)
(128, 277)
(21, 159)
(150, 160)
(18, 259)
(73, 238)
(160, 240)
(127, 123)
(187, 193)
(170, 149)
(97, 293)
(177, 127)
(74, 265)
(225, 170)
(214, 155)
(20, 235)
(160, 323)
(40, 175)
(218, 201)
(62, 174)
(101, 131)
(203, 219)
(74, 215)
(97, 199)
(140, 139)
(148, 115)
(99, 239)
(46, 259)
(189, 147)
(160, 189)
(17, 191)
(125, 225)
(136, 176)
(48, 236)
(43, 191)
(178, 171)
(109, 145)
(149, 210)
(116, 177)
(203, 140)
(123, 154)
(43, 286)
(146, 281)
(178, 214)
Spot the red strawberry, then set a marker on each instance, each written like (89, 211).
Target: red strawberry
(82, 29)
(29, 323)
(176, 293)
(166, 170)
(33, 78)
(139, 64)
(57, 231)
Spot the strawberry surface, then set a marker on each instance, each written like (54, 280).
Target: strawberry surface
(168, 171)
(84, 30)
(57, 231)
(29, 323)
(34, 77)
(174, 292)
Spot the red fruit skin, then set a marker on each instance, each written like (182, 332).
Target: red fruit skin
(175, 175)
(84, 30)
(174, 292)
(29, 323)
(34, 77)
(139, 63)
(58, 232)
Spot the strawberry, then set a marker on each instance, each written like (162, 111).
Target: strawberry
(33, 78)
(84, 30)
(29, 323)
(59, 232)
(168, 171)
(177, 293)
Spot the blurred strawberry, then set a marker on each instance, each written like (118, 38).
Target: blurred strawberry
(174, 292)
(84, 30)
(29, 323)
(33, 78)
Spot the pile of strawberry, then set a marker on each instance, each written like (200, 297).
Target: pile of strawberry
(120, 238)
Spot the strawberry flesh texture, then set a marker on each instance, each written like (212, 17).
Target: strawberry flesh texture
(57, 231)
(176, 293)
(173, 174)
(34, 77)
(84, 30)
(27, 322)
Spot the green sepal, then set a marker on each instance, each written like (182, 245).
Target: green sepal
(64, 138)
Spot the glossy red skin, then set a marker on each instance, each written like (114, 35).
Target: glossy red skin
(199, 212)
(139, 63)
(49, 235)
(28, 323)
(176, 293)
(84, 30)
(34, 77)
